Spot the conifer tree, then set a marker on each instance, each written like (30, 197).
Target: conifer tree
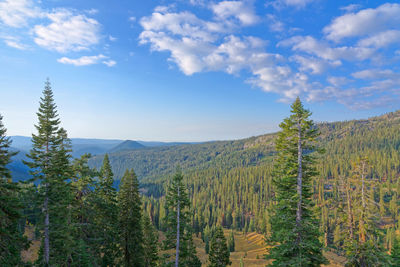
(179, 234)
(395, 255)
(150, 242)
(231, 242)
(11, 235)
(219, 253)
(130, 220)
(51, 167)
(106, 213)
(84, 213)
(295, 234)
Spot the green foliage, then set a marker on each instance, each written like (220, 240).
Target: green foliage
(295, 233)
(50, 165)
(231, 242)
(106, 211)
(367, 254)
(395, 253)
(177, 223)
(11, 228)
(130, 220)
(219, 252)
(150, 242)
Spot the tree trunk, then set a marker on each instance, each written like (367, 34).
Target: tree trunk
(349, 211)
(177, 230)
(46, 212)
(299, 175)
(46, 231)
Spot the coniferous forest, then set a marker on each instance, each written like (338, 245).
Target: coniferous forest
(312, 190)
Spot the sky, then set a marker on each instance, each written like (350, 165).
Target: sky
(196, 70)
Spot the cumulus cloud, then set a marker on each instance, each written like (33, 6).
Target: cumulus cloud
(197, 45)
(381, 39)
(323, 49)
(240, 10)
(14, 42)
(67, 32)
(365, 22)
(16, 13)
(87, 60)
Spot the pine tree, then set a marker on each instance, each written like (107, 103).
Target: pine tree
(50, 166)
(231, 242)
(150, 242)
(178, 234)
(106, 213)
(219, 253)
(11, 234)
(395, 255)
(365, 248)
(295, 234)
(84, 213)
(130, 220)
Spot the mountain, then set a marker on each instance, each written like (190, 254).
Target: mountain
(342, 141)
(126, 145)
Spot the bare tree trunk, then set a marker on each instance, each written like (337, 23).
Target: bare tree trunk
(47, 217)
(177, 230)
(299, 175)
(46, 230)
(349, 211)
(361, 224)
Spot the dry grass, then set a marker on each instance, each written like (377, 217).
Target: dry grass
(32, 253)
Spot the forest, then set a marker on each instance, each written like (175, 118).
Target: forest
(309, 190)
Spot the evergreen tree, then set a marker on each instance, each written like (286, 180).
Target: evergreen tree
(50, 166)
(150, 242)
(130, 220)
(84, 213)
(219, 253)
(295, 234)
(231, 242)
(179, 234)
(395, 255)
(11, 232)
(106, 213)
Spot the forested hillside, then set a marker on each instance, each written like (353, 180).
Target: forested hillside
(378, 138)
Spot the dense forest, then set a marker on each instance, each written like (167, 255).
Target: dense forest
(309, 189)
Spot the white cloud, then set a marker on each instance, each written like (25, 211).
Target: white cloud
(365, 22)
(14, 42)
(241, 10)
(67, 32)
(274, 24)
(351, 8)
(132, 19)
(112, 38)
(87, 60)
(16, 13)
(110, 63)
(323, 50)
(278, 4)
(381, 39)
(314, 65)
(371, 74)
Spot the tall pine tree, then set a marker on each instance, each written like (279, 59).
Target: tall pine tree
(295, 234)
(50, 166)
(11, 232)
(130, 220)
(106, 213)
(179, 232)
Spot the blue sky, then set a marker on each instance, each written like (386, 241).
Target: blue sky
(195, 70)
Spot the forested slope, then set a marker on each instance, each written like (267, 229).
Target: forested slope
(377, 137)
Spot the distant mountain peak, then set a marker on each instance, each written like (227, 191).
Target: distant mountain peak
(126, 145)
